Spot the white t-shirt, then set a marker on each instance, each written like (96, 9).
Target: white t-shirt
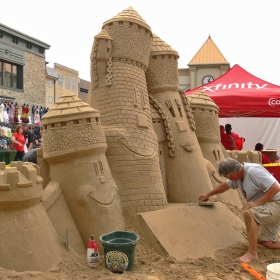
(257, 180)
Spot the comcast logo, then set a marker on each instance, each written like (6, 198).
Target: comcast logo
(273, 102)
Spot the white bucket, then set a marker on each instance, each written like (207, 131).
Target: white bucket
(273, 271)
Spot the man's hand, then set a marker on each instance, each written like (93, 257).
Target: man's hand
(203, 197)
(249, 205)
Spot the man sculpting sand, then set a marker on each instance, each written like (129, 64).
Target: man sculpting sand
(262, 210)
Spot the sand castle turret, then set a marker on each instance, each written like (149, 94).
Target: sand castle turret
(75, 146)
(121, 96)
(205, 113)
(28, 240)
(180, 154)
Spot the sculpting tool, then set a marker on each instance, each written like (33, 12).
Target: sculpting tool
(251, 270)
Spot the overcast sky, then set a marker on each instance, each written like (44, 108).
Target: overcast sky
(245, 31)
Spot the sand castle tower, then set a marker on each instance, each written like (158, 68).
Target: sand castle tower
(75, 146)
(28, 240)
(119, 92)
(179, 151)
(205, 113)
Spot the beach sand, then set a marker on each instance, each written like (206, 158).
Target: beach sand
(149, 265)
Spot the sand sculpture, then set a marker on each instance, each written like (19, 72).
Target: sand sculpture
(137, 144)
(120, 93)
(27, 233)
(74, 147)
(147, 173)
(175, 126)
(205, 113)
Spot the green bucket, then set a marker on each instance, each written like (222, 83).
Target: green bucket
(119, 247)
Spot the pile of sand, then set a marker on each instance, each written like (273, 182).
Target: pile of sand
(149, 265)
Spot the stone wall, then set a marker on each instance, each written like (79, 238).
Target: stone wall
(34, 79)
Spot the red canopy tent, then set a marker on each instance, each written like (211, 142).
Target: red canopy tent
(240, 94)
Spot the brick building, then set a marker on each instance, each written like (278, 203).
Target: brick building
(22, 67)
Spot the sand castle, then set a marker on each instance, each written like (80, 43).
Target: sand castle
(137, 144)
(24, 221)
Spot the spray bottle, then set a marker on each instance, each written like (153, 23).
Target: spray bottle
(92, 252)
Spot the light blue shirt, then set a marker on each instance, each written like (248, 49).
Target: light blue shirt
(257, 180)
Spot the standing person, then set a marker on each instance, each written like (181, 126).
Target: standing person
(28, 137)
(259, 147)
(33, 110)
(18, 141)
(4, 144)
(262, 210)
(226, 139)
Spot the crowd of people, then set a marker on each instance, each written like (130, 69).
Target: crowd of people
(10, 113)
(23, 141)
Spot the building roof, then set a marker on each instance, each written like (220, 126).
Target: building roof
(128, 14)
(51, 72)
(24, 36)
(61, 67)
(208, 54)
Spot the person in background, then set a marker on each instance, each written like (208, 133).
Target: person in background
(262, 210)
(28, 137)
(18, 141)
(229, 131)
(30, 156)
(226, 139)
(38, 140)
(259, 147)
(4, 143)
(237, 140)
(41, 139)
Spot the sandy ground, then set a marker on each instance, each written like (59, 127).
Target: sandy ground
(149, 265)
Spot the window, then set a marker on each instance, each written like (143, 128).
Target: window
(73, 83)
(59, 97)
(14, 76)
(1, 72)
(67, 82)
(50, 83)
(60, 80)
(11, 75)
(8, 75)
(84, 90)
(50, 99)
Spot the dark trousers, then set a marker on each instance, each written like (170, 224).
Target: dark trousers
(19, 156)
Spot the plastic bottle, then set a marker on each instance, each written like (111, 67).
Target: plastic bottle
(92, 253)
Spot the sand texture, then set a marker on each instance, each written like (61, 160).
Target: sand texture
(149, 265)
